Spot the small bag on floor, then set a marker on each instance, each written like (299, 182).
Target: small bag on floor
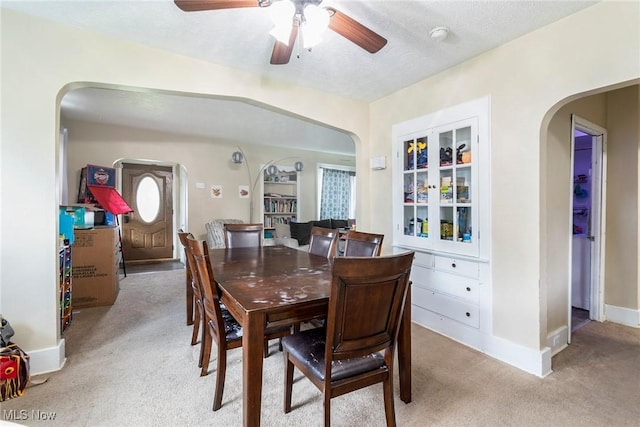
(14, 365)
(14, 373)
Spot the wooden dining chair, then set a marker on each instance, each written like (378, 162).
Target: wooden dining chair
(323, 242)
(366, 302)
(243, 235)
(362, 244)
(221, 326)
(196, 293)
(189, 280)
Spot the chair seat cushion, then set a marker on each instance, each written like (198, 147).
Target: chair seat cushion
(308, 347)
(232, 328)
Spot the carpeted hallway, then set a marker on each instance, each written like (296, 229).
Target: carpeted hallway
(131, 365)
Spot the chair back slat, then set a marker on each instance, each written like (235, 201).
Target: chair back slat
(243, 235)
(210, 298)
(191, 267)
(366, 304)
(323, 242)
(362, 244)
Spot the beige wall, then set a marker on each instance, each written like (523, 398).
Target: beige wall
(206, 161)
(525, 79)
(622, 284)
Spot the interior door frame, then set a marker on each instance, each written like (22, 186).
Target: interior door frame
(179, 198)
(598, 216)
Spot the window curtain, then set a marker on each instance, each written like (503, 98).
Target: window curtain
(337, 193)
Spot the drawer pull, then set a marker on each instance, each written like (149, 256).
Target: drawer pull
(468, 289)
(453, 264)
(468, 314)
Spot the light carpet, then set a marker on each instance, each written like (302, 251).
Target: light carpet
(131, 364)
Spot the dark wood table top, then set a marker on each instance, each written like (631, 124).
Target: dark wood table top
(260, 278)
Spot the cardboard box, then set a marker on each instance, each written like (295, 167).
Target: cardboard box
(95, 263)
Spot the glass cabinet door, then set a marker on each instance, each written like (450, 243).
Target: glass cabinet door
(416, 187)
(456, 182)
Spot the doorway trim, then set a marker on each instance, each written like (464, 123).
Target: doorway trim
(180, 195)
(598, 221)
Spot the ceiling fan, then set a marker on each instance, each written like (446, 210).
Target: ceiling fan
(295, 16)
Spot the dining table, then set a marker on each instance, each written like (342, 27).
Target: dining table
(280, 286)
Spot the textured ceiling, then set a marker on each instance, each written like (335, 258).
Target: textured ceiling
(239, 38)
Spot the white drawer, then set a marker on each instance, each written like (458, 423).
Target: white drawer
(451, 307)
(423, 259)
(421, 276)
(457, 266)
(458, 286)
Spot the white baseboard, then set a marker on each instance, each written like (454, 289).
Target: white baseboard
(47, 359)
(529, 360)
(625, 316)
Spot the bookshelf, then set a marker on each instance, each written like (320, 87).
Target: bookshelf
(280, 197)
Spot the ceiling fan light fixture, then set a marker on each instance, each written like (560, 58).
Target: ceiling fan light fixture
(281, 33)
(315, 21)
(282, 14)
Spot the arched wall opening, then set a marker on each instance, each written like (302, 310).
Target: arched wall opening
(616, 109)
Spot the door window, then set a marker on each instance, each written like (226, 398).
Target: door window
(148, 199)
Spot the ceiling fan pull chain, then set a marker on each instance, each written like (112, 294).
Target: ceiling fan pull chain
(299, 41)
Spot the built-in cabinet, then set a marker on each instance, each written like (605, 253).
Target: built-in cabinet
(441, 211)
(280, 197)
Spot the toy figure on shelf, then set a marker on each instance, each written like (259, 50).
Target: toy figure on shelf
(459, 153)
(421, 154)
(446, 156)
(423, 192)
(408, 193)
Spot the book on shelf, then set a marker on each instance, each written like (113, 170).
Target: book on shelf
(280, 206)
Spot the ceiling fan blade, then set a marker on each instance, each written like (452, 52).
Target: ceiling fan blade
(354, 31)
(281, 52)
(198, 5)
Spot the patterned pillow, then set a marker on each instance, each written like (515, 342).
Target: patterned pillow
(283, 230)
(215, 232)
